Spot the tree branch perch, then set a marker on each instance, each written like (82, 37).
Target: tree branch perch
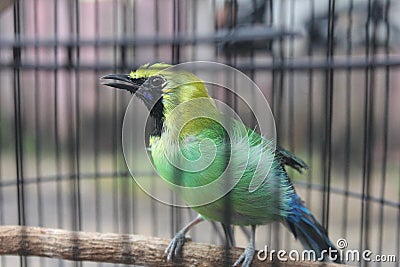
(114, 248)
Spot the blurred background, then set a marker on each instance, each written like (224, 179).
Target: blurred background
(329, 70)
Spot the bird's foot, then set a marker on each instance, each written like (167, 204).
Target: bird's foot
(174, 248)
(247, 256)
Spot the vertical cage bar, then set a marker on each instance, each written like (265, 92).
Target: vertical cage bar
(398, 212)
(176, 30)
(124, 24)
(153, 204)
(385, 128)
(38, 133)
(347, 154)
(124, 183)
(368, 135)
(290, 88)
(274, 104)
(2, 150)
(18, 130)
(175, 213)
(133, 185)
(275, 227)
(70, 113)
(193, 14)
(59, 182)
(156, 28)
(18, 118)
(291, 129)
(2, 122)
(77, 195)
(327, 146)
(114, 124)
(97, 181)
(2, 202)
(310, 112)
(73, 129)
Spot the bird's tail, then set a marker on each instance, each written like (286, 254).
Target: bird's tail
(311, 234)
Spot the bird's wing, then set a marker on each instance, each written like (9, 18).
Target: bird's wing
(287, 157)
(290, 159)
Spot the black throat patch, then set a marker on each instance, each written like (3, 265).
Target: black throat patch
(157, 113)
(151, 93)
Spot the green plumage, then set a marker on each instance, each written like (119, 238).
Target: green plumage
(246, 207)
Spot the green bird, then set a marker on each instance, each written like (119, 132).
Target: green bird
(186, 118)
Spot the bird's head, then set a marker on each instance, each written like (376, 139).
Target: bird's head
(162, 88)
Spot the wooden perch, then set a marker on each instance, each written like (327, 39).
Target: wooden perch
(114, 248)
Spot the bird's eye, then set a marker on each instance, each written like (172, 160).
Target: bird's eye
(156, 81)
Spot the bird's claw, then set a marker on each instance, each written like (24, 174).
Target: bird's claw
(175, 246)
(246, 257)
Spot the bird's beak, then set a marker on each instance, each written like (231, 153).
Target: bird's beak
(129, 84)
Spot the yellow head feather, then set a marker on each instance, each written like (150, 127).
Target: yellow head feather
(148, 70)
